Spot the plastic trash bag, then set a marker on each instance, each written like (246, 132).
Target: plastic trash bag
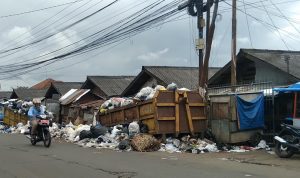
(85, 134)
(172, 87)
(124, 145)
(126, 102)
(159, 88)
(144, 93)
(97, 131)
(133, 128)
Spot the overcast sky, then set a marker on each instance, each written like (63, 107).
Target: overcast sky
(168, 44)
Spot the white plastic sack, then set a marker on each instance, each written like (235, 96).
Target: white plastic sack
(159, 87)
(114, 132)
(133, 128)
(126, 102)
(144, 92)
(171, 148)
(106, 104)
(70, 125)
(184, 89)
(212, 148)
(262, 144)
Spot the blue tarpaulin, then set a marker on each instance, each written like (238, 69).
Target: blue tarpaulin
(250, 113)
(292, 88)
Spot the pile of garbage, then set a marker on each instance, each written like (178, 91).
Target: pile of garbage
(19, 106)
(20, 128)
(188, 144)
(144, 94)
(132, 137)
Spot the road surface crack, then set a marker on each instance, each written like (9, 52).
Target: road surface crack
(119, 174)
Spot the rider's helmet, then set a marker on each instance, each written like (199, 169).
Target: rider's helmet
(36, 101)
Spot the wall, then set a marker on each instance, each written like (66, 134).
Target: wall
(149, 83)
(267, 72)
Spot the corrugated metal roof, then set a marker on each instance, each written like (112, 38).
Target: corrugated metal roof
(183, 76)
(63, 87)
(111, 85)
(5, 94)
(278, 58)
(93, 104)
(73, 96)
(187, 77)
(45, 84)
(27, 93)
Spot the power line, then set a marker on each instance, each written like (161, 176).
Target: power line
(157, 17)
(37, 10)
(60, 30)
(285, 17)
(39, 24)
(248, 25)
(84, 30)
(275, 26)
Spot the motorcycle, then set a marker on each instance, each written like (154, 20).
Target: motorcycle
(44, 122)
(288, 141)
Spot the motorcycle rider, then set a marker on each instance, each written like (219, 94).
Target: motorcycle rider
(35, 110)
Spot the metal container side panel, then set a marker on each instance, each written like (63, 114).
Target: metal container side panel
(151, 125)
(243, 136)
(166, 97)
(166, 111)
(104, 119)
(146, 109)
(220, 110)
(200, 125)
(220, 128)
(194, 97)
(131, 114)
(117, 117)
(198, 112)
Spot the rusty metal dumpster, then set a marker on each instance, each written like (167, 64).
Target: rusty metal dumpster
(168, 112)
(12, 118)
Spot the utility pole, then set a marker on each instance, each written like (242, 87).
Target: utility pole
(200, 40)
(207, 21)
(233, 47)
(200, 44)
(209, 40)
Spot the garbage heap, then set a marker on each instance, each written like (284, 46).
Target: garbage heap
(144, 94)
(19, 128)
(18, 106)
(131, 138)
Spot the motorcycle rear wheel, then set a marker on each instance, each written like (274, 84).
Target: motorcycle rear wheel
(33, 142)
(47, 139)
(283, 151)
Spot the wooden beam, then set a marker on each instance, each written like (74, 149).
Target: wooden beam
(166, 118)
(177, 123)
(165, 104)
(147, 117)
(189, 117)
(198, 118)
(197, 104)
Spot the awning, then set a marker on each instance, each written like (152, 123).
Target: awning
(292, 88)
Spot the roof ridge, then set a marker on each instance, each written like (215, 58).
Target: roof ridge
(268, 50)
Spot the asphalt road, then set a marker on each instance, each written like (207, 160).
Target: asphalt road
(18, 159)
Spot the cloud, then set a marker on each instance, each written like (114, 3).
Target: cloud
(153, 55)
(18, 33)
(243, 40)
(64, 38)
